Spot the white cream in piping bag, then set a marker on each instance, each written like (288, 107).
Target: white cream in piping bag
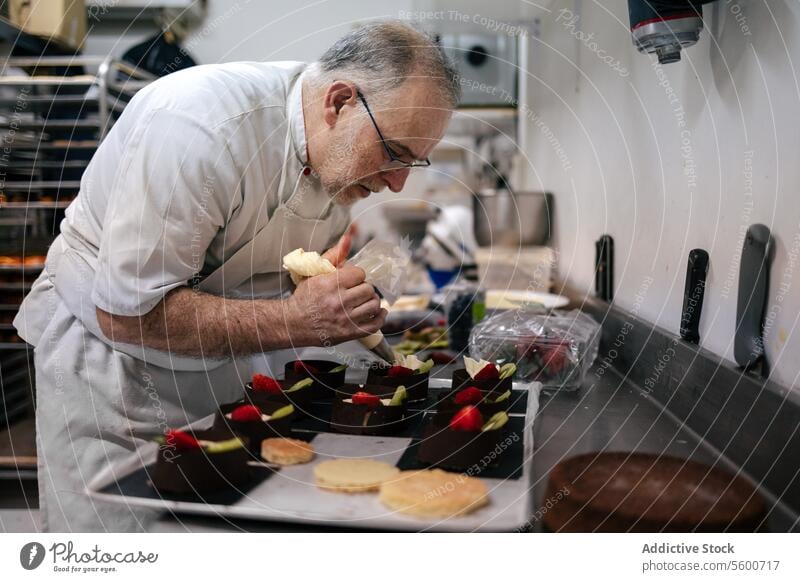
(302, 264)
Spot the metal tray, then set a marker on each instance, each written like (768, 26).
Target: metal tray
(290, 495)
(21, 268)
(16, 286)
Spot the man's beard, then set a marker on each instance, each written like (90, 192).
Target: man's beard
(342, 188)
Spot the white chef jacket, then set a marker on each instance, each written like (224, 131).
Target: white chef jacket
(187, 176)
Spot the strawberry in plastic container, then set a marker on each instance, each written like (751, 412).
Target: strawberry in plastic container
(555, 347)
(547, 360)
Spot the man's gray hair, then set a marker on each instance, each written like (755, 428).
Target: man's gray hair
(380, 56)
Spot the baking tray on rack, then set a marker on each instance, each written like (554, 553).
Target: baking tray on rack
(290, 495)
(16, 285)
(20, 268)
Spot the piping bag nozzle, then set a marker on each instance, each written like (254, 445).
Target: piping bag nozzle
(378, 345)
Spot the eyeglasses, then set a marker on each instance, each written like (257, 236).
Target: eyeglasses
(395, 163)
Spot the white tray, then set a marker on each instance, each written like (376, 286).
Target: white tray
(291, 496)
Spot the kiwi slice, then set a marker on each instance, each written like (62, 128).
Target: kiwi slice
(425, 367)
(224, 446)
(496, 421)
(281, 412)
(438, 344)
(507, 370)
(408, 347)
(503, 397)
(305, 383)
(399, 396)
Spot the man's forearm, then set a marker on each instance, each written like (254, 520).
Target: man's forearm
(193, 323)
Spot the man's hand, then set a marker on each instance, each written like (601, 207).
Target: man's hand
(334, 308)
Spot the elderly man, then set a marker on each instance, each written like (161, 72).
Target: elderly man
(167, 273)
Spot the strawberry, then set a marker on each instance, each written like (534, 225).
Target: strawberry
(266, 384)
(301, 367)
(468, 418)
(471, 395)
(396, 371)
(246, 413)
(555, 357)
(181, 440)
(366, 398)
(488, 373)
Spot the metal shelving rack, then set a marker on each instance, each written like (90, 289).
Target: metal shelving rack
(54, 113)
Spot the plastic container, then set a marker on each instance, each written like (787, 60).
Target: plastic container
(556, 349)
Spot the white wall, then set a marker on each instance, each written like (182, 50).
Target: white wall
(282, 29)
(257, 30)
(669, 163)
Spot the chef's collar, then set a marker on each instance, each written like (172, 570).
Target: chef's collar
(294, 113)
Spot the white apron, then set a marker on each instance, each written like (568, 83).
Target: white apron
(96, 401)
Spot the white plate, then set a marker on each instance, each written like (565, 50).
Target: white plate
(512, 298)
(291, 496)
(407, 303)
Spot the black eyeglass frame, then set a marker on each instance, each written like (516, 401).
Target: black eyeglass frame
(392, 156)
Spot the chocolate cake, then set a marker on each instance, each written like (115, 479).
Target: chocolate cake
(367, 414)
(462, 379)
(488, 403)
(636, 492)
(379, 390)
(188, 462)
(463, 446)
(416, 383)
(260, 428)
(326, 380)
(264, 391)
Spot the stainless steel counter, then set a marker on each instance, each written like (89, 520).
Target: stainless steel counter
(607, 414)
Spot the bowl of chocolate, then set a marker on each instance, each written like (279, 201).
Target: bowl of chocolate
(649, 493)
(409, 372)
(264, 391)
(200, 461)
(463, 441)
(327, 376)
(256, 423)
(486, 376)
(488, 403)
(367, 414)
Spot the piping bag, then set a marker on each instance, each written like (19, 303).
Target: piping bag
(385, 266)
